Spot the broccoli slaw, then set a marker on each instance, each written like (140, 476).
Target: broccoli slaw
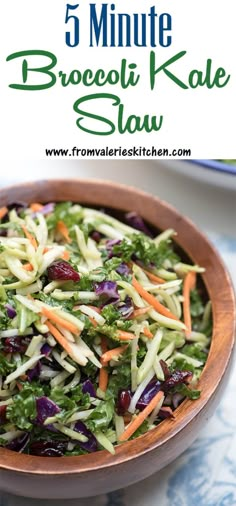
(104, 329)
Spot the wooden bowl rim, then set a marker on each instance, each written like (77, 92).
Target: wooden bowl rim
(167, 430)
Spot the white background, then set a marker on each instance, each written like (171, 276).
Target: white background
(200, 119)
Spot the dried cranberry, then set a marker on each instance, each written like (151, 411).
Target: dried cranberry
(19, 444)
(165, 412)
(123, 401)
(15, 345)
(96, 236)
(48, 448)
(3, 418)
(61, 270)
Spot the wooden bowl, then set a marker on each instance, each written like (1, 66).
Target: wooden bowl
(88, 475)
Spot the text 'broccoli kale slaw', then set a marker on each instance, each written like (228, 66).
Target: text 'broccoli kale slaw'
(103, 330)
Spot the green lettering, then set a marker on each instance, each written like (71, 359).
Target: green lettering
(196, 77)
(42, 70)
(154, 71)
(220, 73)
(101, 119)
(137, 124)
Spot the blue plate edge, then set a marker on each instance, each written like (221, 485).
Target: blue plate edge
(215, 166)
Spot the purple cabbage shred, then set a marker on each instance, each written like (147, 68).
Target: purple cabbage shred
(107, 291)
(91, 445)
(135, 221)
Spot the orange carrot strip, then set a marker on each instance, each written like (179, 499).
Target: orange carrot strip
(153, 277)
(103, 373)
(103, 379)
(29, 236)
(125, 336)
(65, 255)
(189, 284)
(35, 207)
(28, 267)
(110, 354)
(94, 323)
(147, 333)
(153, 301)
(62, 228)
(19, 385)
(45, 250)
(133, 426)
(3, 212)
(139, 312)
(59, 337)
(57, 319)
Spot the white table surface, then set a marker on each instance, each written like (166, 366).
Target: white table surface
(205, 475)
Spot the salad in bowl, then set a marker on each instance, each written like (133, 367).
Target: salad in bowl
(104, 328)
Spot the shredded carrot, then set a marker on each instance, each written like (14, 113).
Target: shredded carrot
(65, 255)
(153, 301)
(94, 323)
(125, 336)
(110, 354)
(135, 424)
(103, 379)
(35, 207)
(51, 315)
(45, 250)
(62, 228)
(3, 212)
(139, 312)
(28, 267)
(59, 337)
(103, 373)
(19, 385)
(147, 333)
(153, 277)
(189, 284)
(29, 236)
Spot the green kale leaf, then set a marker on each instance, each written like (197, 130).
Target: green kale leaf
(6, 366)
(121, 380)
(145, 250)
(197, 306)
(102, 415)
(23, 410)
